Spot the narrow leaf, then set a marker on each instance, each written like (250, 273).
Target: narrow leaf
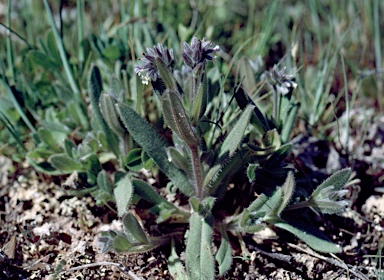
(289, 123)
(123, 192)
(151, 142)
(149, 194)
(103, 182)
(166, 75)
(177, 119)
(288, 188)
(64, 163)
(247, 75)
(234, 138)
(175, 266)
(337, 180)
(108, 110)
(133, 230)
(95, 88)
(224, 254)
(200, 263)
(121, 244)
(200, 104)
(313, 241)
(46, 136)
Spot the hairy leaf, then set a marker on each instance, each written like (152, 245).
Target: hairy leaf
(175, 266)
(312, 240)
(337, 180)
(224, 254)
(151, 142)
(123, 192)
(177, 119)
(64, 163)
(134, 231)
(199, 257)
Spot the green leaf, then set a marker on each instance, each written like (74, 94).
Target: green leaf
(108, 110)
(289, 123)
(151, 142)
(133, 160)
(69, 147)
(40, 153)
(234, 138)
(287, 189)
(175, 266)
(257, 119)
(199, 260)
(279, 156)
(46, 136)
(200, 104)
(112, 52)
(123, 192)
(103, 182)
(65, 164)
(251, 171)
(312, 240)
(45, 167)
(224, 254)
(177, 119)
(264, 205)
(121, 244)
(146, 160)
(91, 163)
(162, 206)
(134, 231)
(247, 75)
(166, 75)
(271, 139)
(229, 146)
(95, 88)
(37, 58)
(337, 180)
(179, 159)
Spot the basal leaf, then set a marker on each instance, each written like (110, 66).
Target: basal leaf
(64, 163)
(224, 254)
(312, 240)
(200, 263)
(133, 230)
(123, 192)
(175, 266)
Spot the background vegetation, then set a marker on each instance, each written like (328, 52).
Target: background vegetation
(49, 52)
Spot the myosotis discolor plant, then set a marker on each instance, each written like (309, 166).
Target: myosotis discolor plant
(202, 172)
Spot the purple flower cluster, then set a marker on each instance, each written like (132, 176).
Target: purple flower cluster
(148, 71)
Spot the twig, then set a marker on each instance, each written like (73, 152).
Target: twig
(118, 265)
(337, 262)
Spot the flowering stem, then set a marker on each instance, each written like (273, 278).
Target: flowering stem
(194, 89)
(197, 171)
(275, 104)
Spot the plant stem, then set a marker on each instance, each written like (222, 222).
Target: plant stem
(197, 172)
(275, 104)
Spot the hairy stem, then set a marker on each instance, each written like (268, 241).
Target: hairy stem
(197, 172)
(275, 105)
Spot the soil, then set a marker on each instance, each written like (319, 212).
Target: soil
(46, 233)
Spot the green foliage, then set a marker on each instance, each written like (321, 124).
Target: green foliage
(62, 117)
